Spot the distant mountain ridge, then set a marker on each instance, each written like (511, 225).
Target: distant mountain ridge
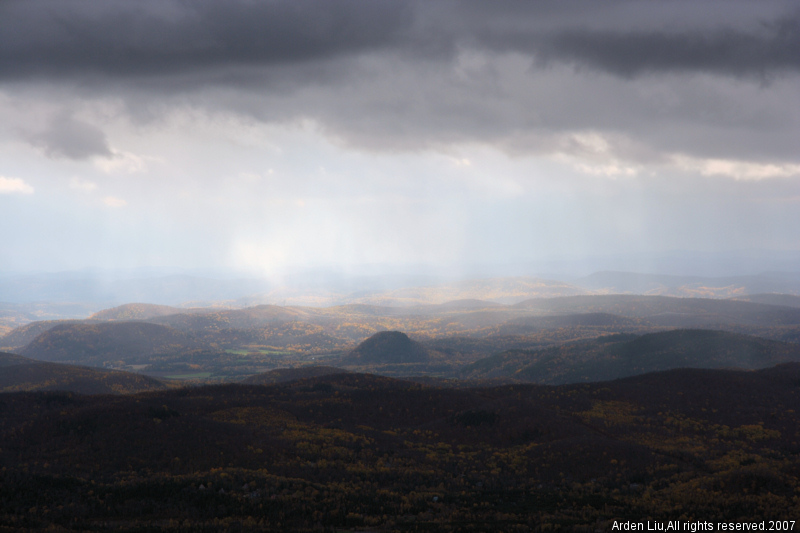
(612, 282)
(136, 311)
(617, 356)
(233, 343)
(21, 336)
(787, 300)
(499, 290)
(668, 310)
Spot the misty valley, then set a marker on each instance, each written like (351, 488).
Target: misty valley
(561, 412)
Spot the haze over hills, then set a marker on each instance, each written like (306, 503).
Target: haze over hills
(691, 286)
(143, 311)
(184, 289)
(788, 300)
(20, 337)
(79, 295)
(676, 312)
(450, 340)
(227, 343)
(14, 315)
(109, 289)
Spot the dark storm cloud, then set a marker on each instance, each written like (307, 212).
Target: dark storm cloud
(775, 48)
(72, 138)
(119, 38)
(430, 74)
(169, 36)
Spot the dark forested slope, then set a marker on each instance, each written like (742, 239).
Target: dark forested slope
(19, 373)
(618, 356)
(283, 375)
(361, 452)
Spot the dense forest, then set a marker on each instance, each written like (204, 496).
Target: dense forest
(363, 452)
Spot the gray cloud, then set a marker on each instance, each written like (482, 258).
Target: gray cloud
(71, 138)
(772, 49)
(157, 37)
(653, 78)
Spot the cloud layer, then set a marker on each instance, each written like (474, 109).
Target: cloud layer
(705, 79)
(166, 37)
(392, 130)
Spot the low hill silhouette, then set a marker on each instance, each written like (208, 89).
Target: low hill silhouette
(21, 336)
(283, 375)
(669, 311)
(786, 300)
(136, 311)
(387, 347)
(250, 317)
(617, 356)
(93, 344)
(600, 320)
(12, 359)
(19, 373)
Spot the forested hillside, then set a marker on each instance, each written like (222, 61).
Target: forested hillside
(354, 451)
(19, 373)
(617, 356)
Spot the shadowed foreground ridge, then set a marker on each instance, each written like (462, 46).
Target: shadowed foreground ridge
(282, 375)
(350, 451)
(19, 373)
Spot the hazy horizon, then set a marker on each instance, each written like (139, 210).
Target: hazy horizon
(405, 138)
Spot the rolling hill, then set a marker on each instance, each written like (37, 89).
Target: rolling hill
(283, 375)
(617, 356)
(136, 311)
(501, 290)
(21, 336)
(691, 286)
(240, 342)
(787, 300)
(387, 347)
(669, 311)
(95, 344)
(19, 373)
(527, 324)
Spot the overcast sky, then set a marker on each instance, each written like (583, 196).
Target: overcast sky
(273, 136)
